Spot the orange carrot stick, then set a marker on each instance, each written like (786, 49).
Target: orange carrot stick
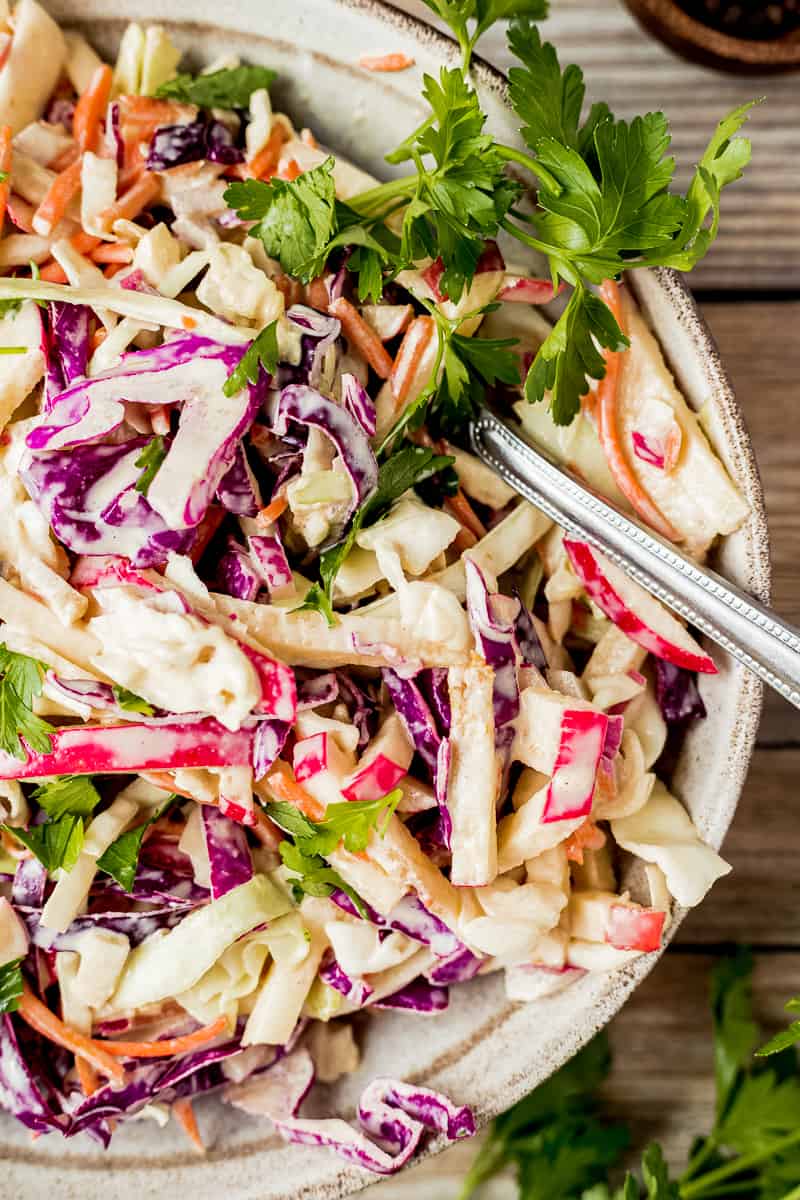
(167, 1047)
(273, 510)
(98, 337)
(5, 167)
(265, 162)
(291, 170)
(282, 782)
(111, 252)
(386, 62)
(132, 202)
(113, 269)
(364, 339)
(45, 1022)
(59, 195)
(416, 340)
(84, 243)
(90, 109)
(586, 837)
(464, 540)
(87, 1076)
(184, 1114)
(608, 430)
(459, 507)
(53, 272)
(159, 419)
(317, 294)
(65, 158)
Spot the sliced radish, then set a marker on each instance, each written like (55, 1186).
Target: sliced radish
(311, 756)
(519, 289)
(374, 780)
(634, 928)
(580, 748)
(110, 570)
(106, 749)
(639, 615)
(278, 687)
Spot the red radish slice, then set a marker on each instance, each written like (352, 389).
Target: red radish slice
(105, 749)
(639, 615)
(310, 756)
(632, 928)
(519, 289)
(278, 687)
(583, 735)
(375, 780)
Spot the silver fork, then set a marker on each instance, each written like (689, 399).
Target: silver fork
(753, 634)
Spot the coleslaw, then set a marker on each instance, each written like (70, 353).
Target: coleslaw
(303, 712)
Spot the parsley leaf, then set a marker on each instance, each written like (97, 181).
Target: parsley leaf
(151, 458)
(20, 683)
(56, 843)
(121, 859)
(655, 1174)
(262, 352)
(408, 467)
(130, 702)
(470, 19)
(787, 1037)
(70, 795)
(297, 219)
(229, 88)
(318, 600)
(10, 986)
(10, 307)
(350, 822)
(313, 876)
(735, 1031)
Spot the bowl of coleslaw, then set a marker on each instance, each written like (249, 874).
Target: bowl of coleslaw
(337, 786)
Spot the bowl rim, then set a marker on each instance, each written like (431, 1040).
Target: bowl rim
(668, 18)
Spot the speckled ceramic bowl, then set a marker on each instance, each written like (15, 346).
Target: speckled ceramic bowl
(485, 1051)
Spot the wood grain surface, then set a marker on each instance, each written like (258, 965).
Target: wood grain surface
(662, 1077)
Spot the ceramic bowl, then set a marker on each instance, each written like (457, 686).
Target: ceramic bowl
(485, 1051)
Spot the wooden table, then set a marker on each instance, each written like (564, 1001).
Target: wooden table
(749, 291)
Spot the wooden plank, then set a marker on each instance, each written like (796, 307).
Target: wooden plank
(759, 246)
(761, 350)
(662, 1079)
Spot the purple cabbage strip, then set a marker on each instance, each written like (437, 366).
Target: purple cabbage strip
(362, 708)
(30, 881)
(230, 862)
(613, 738)
(528, 641)
(236, 575)
(411, 917)
(269, 560)
(310, 407)
(419, 996)
(136, 926)
(416, 716)
(343, 901)
(319, 332)
(495, 638)
(69, 489)
(60, 111)
(357, 991)
(69, 339)
(269, 740)
(155, 885)
(201, 140)
(359, 403)
(434, 685)
(20, 1090)
(432, 1109)
(238, 491)
(677, 693)
(317, 690)
(456, 968)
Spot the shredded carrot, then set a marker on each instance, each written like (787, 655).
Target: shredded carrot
(98, 337)
(291, 170)
(272, 511)
(159, 419)
(460, 508)
(53, 272)
(84, 243)
(291, 289)
(610, 440)
(282, 782)
(6, 41)
(131, 203)
(169, 1046)
(416, 340)
(264, 164)
(113, 269)
(308, 139)
(111, 252)
(87, 1076)
(6, 134)
(586, 837)
(65, 158)
(45, 1022)
(165, 780)
(188, 323)
(61, 192)
(184, 1114)
(90, 109)
(362, 338)
(386, 62)
(317, 294)
(147, 113)
(464, 540)
(672, 447)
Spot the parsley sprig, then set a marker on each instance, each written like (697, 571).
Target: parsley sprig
(262, 352)
(230, 87)
(561, 1149)
(68, 801)
(350, 823)
(150, 460)
(121, 859)
(10, 986)
(20, 683)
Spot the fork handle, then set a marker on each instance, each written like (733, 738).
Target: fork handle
(751, 633)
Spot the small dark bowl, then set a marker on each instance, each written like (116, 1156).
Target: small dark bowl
(699, 42)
